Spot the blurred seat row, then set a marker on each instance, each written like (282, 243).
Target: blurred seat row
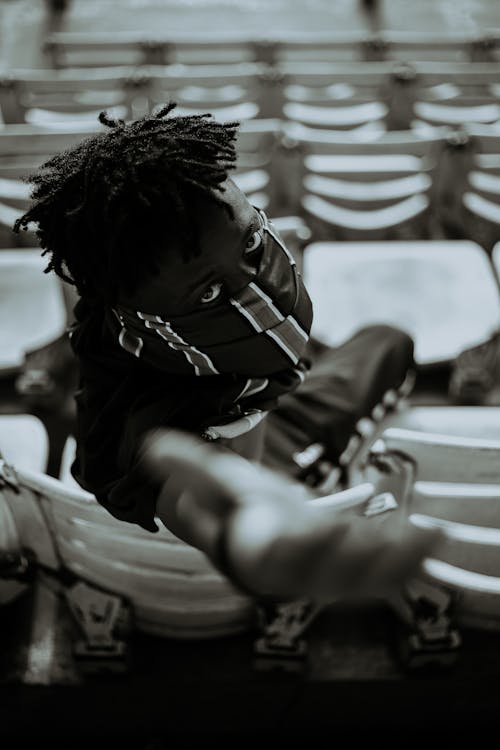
(424, 184)
(343, 96)
(334, 150)
(384, 177)
(65, 49)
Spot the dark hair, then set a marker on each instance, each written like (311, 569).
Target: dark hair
(106, 208)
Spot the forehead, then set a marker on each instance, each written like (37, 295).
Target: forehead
(214, 221)
(220, 230)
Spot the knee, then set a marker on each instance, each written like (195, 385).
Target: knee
(393, 337)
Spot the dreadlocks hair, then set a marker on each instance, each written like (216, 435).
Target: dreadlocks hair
(105, 209)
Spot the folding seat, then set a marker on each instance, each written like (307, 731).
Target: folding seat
(359, 186)
(426, 95)
(65, 49)
(58, 99)
(442, 292)
(32, 305)
(496, 259)
(411, 93)
(440, 46)
(467, 196)
(24, 442)
(455, 487)
(456, 112)
(173, 588)
(235, 92)
(338, 47)
(74, 49)
(336, 96)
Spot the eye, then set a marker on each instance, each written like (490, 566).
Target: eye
(211, 293)
(253, 243)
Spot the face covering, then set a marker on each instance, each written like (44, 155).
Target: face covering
(259, 332)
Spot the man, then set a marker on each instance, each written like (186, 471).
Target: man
(192, 316)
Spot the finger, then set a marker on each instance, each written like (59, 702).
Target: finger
(402, 557)
(373, 563)
(277, 552)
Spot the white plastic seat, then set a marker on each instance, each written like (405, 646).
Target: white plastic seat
(174, 590)
(24, 441)
(318, 94)
(457, 490)
(340, 117)
(482, 207)
(442, 292)
(363, 185)
(483, 181)
(366, 220)
(48, 97)
(496, 259)
(237, 92)
(364, 192)
(32, 305)
(454, 114)
(451, 482)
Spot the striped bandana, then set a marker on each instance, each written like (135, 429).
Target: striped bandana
(256, 334)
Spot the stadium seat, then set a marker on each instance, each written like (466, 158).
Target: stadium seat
(439, 46)
(402, 87)
(174, 590)
(70, 49)
(454, 488)
(33, 310)
(467, 195)
(66, 49)
(442, 292)
(54, 99)
(231, 93)
(24, 442)
(496, 259)
(359, 186)
(456, 112)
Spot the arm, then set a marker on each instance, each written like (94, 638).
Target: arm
(274, 540)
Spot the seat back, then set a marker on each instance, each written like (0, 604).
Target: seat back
(54, 99)
(230, 92)
(360, 186)
(456, 489)
(423, 287)
(33, 309)
(468, 185)
(173, 589)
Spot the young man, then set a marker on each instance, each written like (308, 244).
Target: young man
(192, 316)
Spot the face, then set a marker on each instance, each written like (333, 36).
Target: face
(230, 253)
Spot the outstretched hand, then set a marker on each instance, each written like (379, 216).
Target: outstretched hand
(279, 543)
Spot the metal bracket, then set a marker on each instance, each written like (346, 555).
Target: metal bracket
(283, 625)
(430, 637)
(8, 476)
(103, 618)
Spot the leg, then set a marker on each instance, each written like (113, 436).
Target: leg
(343, 386)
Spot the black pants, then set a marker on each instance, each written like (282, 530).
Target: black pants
(344, 384)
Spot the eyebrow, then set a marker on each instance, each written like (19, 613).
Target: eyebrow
(208, 277)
